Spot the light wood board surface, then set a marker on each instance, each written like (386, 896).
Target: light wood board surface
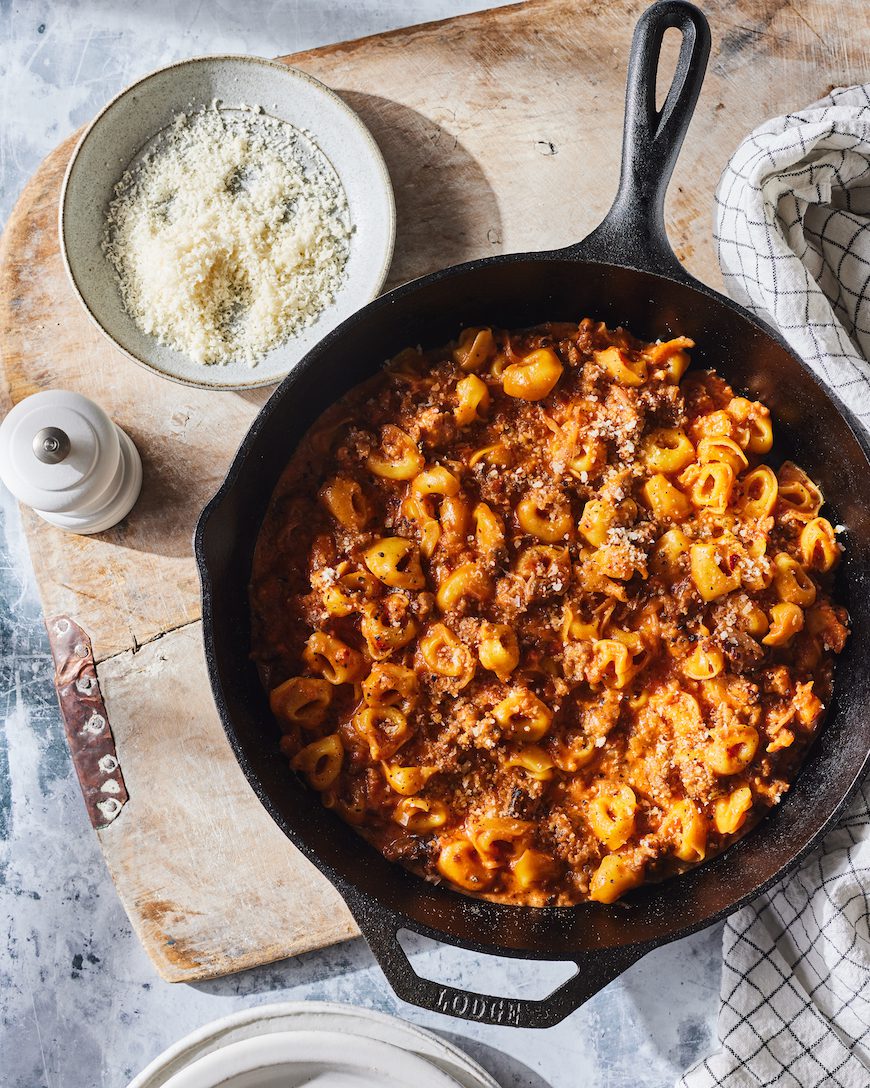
(501, 131)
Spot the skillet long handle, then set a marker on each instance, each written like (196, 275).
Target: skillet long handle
(633, 231)
(594, 972)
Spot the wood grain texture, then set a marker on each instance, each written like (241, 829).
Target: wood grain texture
(501, 131)
(202, 899)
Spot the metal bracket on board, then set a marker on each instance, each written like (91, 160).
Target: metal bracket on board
(88, 732)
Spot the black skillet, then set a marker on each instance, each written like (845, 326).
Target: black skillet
(625, 274)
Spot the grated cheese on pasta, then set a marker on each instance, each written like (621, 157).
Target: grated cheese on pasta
(230, 236)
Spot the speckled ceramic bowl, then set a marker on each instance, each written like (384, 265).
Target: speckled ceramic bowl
(130, 122)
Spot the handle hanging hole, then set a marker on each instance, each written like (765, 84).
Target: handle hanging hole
(667, 64)
(500, 977)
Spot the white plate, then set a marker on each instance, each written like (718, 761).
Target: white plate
(137, 115)
(296, 1059)
(344, 1021)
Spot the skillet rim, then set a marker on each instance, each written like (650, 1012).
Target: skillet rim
(360, 901)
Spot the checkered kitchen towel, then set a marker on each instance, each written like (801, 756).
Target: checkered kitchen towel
(793, 230)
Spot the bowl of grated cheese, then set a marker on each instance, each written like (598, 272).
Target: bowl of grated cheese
(221, 215)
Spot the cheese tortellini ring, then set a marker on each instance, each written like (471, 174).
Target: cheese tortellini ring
(391, 685)
(498, 839)
(665, 500)
(320, 761)
(472, 400)
(407, 781)
(455, 516)
(573, 627)
(419, 815)
(681, 711)
(712, 572)
(548, 566)
(713, 424)
(301, 700)
(818, 545)
(791, 581)
(523, 716)
(418, 510)
(798, 495)
(533, 867)
(350, 592)
(759, 491)
(589, 453)
(670, 554)
(576, 754)
(672, 356)
(614, 663)
(756, 621)
(344, 499)
(387, 625)
(616, 563)
(445, 654)
(732, 750)
(613, 878)
(497, 454)
(499, 650)
(461, 864)
(384, 728)
(534, 761)
(686, 826)
(667, 449)
(435, 480)
(786, 620)
(596, 521)
(333, 659)
(534, 376)
(467, 581)
(754, 419)
(475, 348)
(489, 535)
(396, 562)
(710, 485)
(547, 523)
(621, 366)
(703, 663)
(400, 459)
(720, 448)
(611, 815)
(729, 813)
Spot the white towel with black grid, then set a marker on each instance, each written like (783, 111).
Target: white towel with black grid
(793, 232)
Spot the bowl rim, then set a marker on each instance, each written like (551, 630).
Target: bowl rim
(290, 70)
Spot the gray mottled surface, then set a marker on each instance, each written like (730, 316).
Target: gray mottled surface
(80, 1004)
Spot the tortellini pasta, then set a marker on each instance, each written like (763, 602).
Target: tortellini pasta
(536, 618)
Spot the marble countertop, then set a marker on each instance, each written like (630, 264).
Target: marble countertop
(80, 1004)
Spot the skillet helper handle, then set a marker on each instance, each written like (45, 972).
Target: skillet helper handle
(593, 974)
(633, 232)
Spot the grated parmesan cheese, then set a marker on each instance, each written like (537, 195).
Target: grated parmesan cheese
(231, 235)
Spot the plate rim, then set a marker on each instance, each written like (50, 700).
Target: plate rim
(375, 154)
(156, 1074)
(322, 1047)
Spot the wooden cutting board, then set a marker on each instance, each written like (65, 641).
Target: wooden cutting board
(501, 131)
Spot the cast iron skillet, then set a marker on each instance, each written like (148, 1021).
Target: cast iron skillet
(626, 274)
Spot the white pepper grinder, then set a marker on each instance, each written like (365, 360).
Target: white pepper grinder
(61, 454)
